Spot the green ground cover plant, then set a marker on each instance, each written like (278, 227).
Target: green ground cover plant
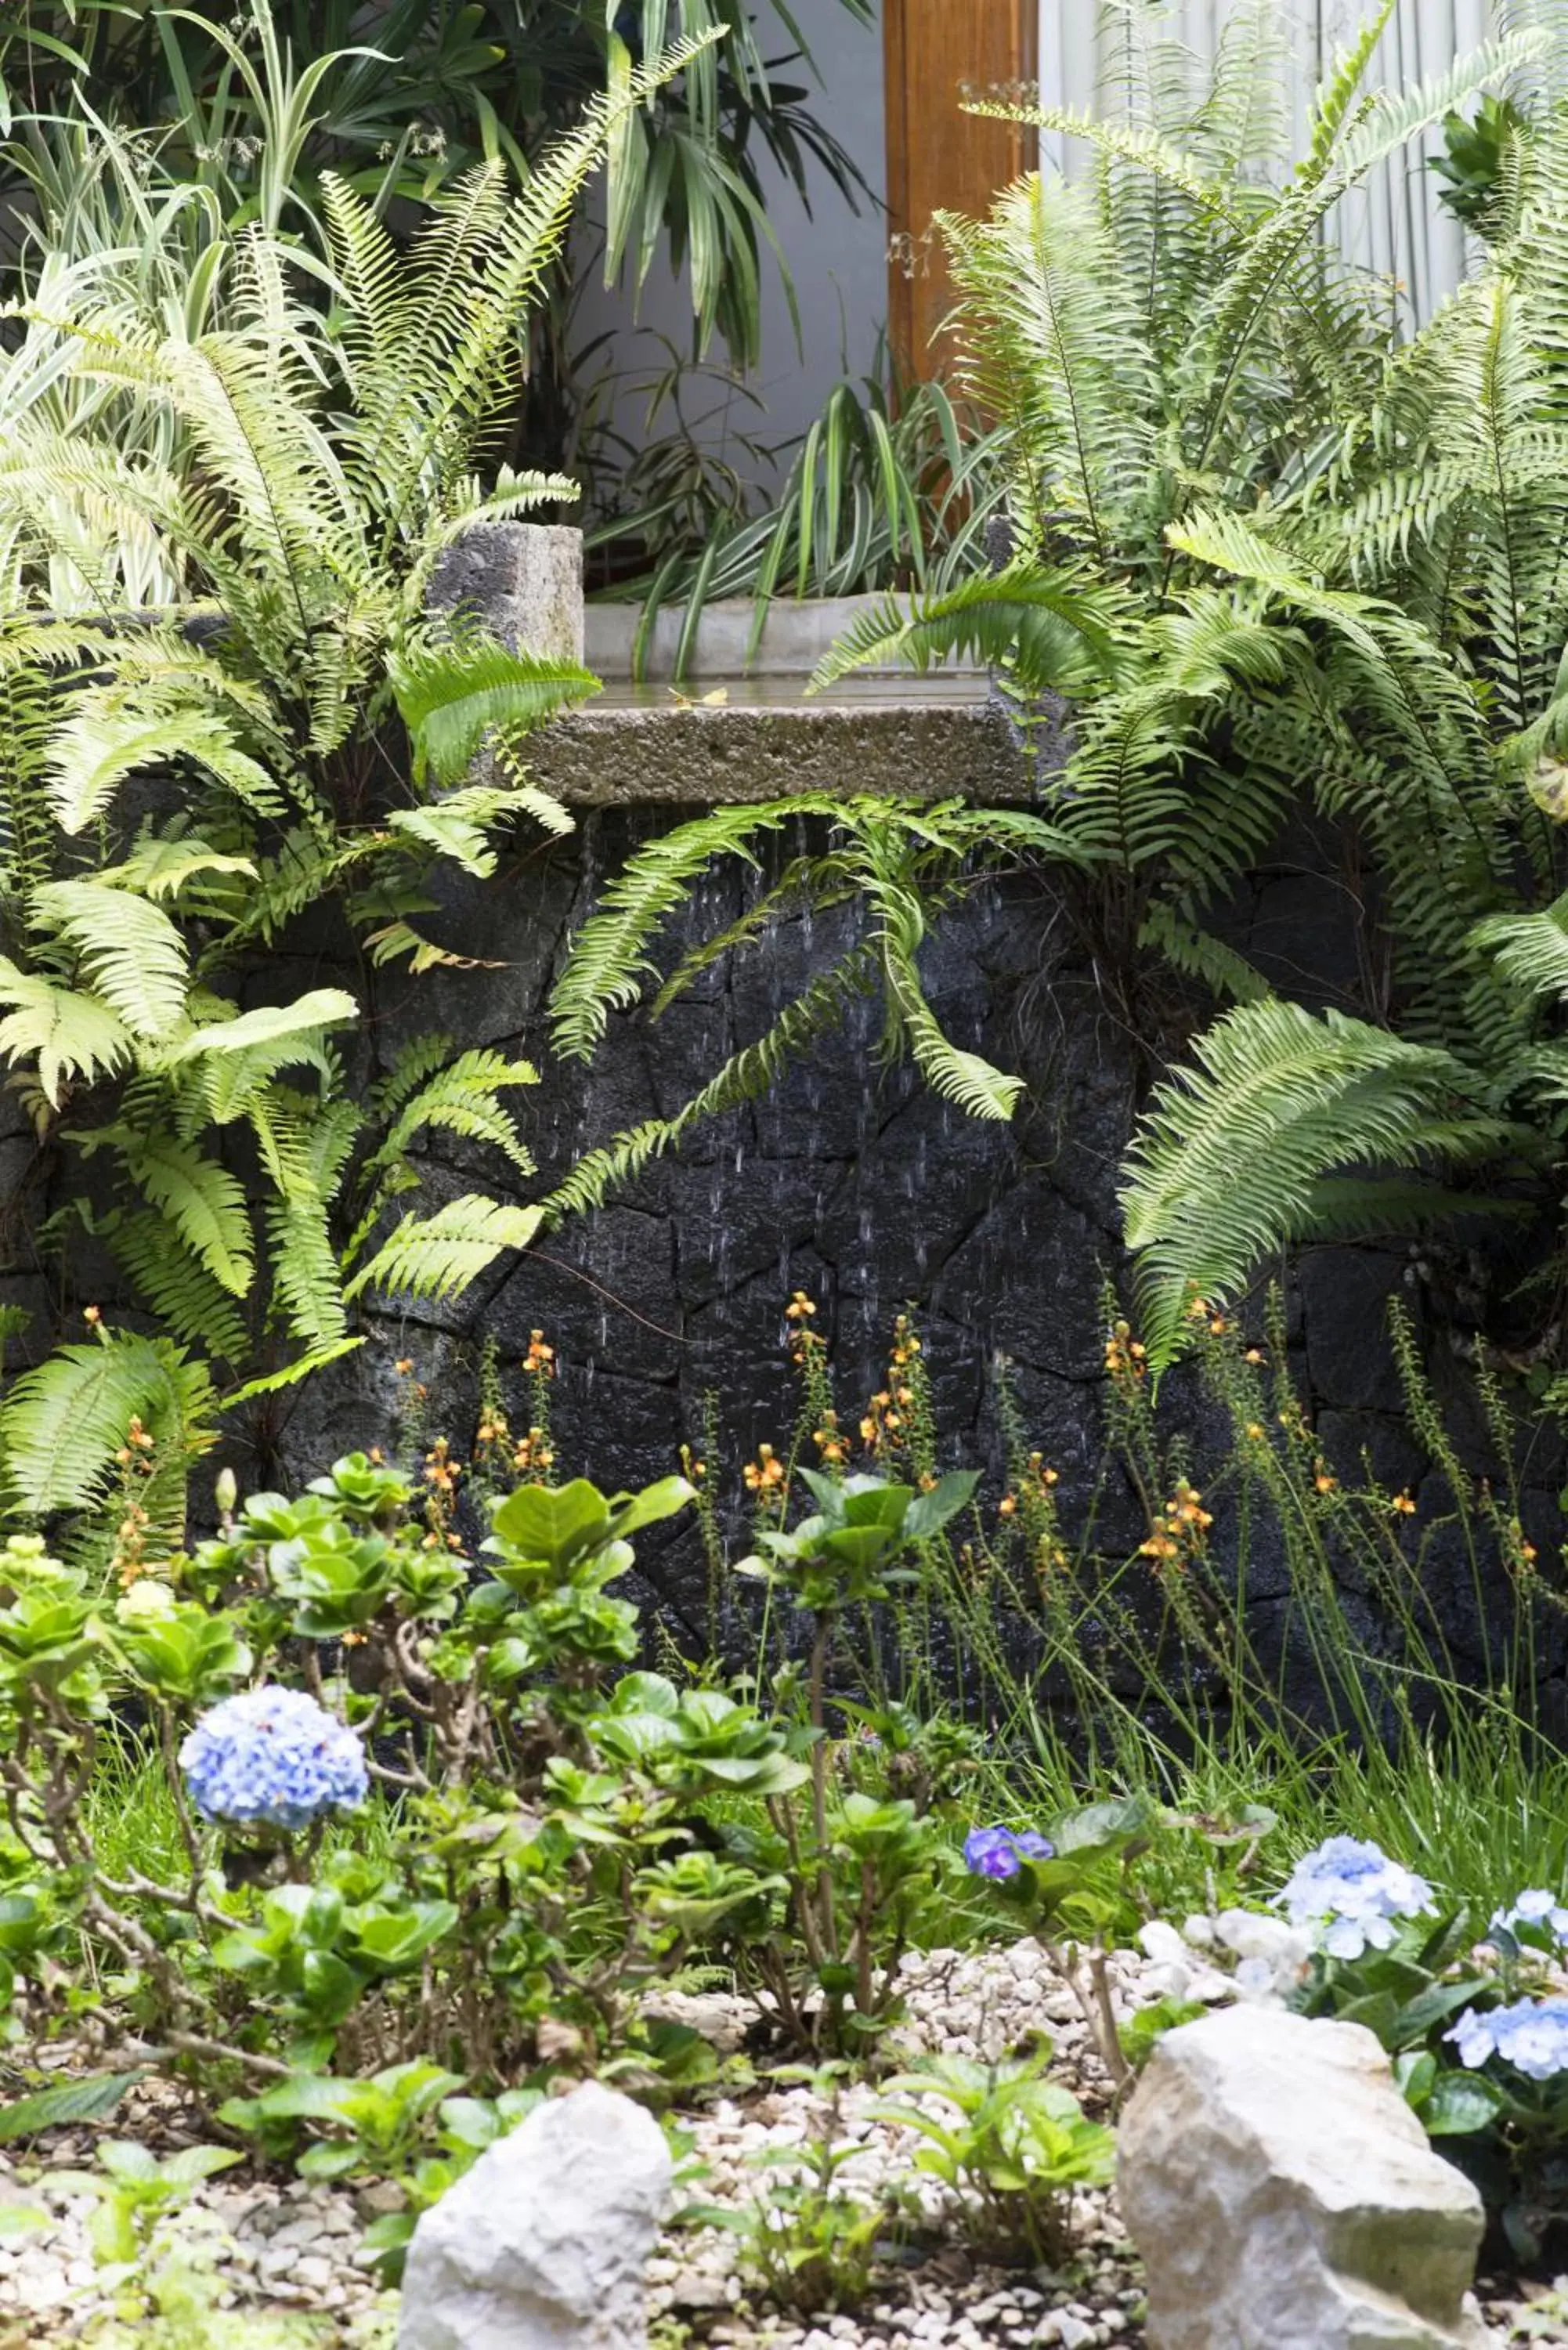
(506, 1829)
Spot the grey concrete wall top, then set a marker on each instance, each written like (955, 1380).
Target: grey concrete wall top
(937, 738)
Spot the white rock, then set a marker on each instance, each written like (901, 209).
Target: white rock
(1282, 2193)
(542, 2245)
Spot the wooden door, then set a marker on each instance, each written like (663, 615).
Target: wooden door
(937, 52)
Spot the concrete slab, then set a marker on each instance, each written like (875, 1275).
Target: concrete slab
(941, 737)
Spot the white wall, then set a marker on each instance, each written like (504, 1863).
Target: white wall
(838, 259)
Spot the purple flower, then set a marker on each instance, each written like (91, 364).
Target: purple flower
(998, 1853)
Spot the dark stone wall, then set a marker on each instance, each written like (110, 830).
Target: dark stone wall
(855, 1184)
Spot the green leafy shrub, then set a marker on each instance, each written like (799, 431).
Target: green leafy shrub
(1011, 2141)
(547, 1832)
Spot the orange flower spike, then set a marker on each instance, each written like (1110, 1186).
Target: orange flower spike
(1402, 1506)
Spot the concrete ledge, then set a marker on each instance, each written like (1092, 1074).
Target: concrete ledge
(938, 738)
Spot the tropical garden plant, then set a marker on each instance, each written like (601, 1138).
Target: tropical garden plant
(373, 1812)
(289, 728)
(1332, 554)
(249, 112)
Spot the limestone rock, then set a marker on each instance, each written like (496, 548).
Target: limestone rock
(542, 2245)
(1285, 2197)
(521, 581)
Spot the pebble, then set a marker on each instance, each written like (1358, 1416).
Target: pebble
(296, 2245)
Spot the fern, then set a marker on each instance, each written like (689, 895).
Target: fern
(453, 695)
(200, 1202)
(461, 1098)
(131, 953)
(748, 1073)
(288, 486)
(1228, 1162)
(63, 1422)
(1056, 631)
(440, 1255)
(1531, 950)
(459, 826)
(61, 1032)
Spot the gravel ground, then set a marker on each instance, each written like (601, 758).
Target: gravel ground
(282, 2247)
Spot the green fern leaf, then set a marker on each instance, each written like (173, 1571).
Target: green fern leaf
(1228, 1160)
(131, 950)
(204, 1202)
(439, 1256)
(454, 694)
(64, 1421)
(64, 1031)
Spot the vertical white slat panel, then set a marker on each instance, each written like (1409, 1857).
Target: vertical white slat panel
(1394, 225)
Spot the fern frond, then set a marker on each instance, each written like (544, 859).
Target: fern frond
(1226, 1167)
(459, 825)
(202, 1200)
(461, 1098)
(962, 1077)
(230, 1061)
(439, 1256)
(64, 1031)
(454, 693)
(64, 1421)
(1531, 950)
(608, 960)
(1197, 954)
(291, 1374)
(172, 1283)
(745, 1076)
(1055, 630)
(112, 737)
(133, 956)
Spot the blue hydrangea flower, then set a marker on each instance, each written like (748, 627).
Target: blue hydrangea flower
(1537, 1908)
(998, 1853)
(273, 1757)
(1532, 2035)
(1354, 1895)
